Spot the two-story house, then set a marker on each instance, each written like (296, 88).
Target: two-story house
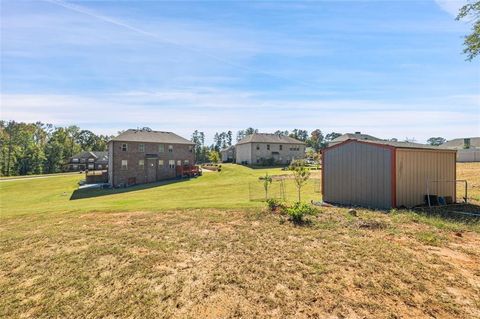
(145, 156)
(268, 149)
(88, 160)
(228, 154)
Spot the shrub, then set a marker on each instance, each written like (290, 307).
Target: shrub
(273, 204)
(299, 211)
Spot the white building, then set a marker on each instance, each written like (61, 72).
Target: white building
(268, 149)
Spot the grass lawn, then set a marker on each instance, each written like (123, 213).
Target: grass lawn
(227, 189)
(201, 249)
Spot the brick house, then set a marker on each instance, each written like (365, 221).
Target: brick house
(88, 160)
(268, 149)
(145, 156)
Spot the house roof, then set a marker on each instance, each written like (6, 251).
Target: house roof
(230, 148)
(148, 136)
(356, 136)
(394, 144)
(459, 142)
(98, 155)
(269, 138)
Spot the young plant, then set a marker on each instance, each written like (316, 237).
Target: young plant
(274, 204)
(214, 157)
(300, 174)
(299, 211)
(267, 181)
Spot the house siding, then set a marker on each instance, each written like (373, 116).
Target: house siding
(468, 155)
(248, 152)
(358, 174)
(415, 167)
(150, 156)
(110, 163)
(243, 153)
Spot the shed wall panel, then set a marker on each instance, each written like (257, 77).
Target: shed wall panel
(415, 167)
(358, 174)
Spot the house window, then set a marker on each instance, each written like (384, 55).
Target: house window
(268, 147)
(124, 147)
(160, 162)
(170, 148)
(99, 166)
(171, 163)
(186, 162)
(258, 147)
(75, 166)
(281, 147)
(179, 163)
(161, 148)
(141, 148)
(190, 148)
(75, 160)
(90, 166)
(141, 163)
(91, 160)
(124, 164)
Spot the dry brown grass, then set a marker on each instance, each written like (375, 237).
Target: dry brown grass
(221, 264)
(470, 172)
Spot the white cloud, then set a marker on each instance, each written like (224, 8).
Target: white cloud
(212, 110)
(450, 6)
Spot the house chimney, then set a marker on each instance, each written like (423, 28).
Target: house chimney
(358, 132)
(466, 143)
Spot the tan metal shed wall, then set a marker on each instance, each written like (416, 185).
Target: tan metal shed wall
(358, 174)
(414, 167)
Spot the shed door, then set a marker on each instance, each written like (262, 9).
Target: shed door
(151, 170)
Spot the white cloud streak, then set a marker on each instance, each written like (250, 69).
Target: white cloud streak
(211, 110)
(450, 6)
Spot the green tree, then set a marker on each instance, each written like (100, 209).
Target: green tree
(472, 41)
(267, 181)
(316, 140)
(300, 175)
(436, 141)
(214, 156)
(331, 136)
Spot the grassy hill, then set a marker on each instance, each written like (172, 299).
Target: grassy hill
(227, 189)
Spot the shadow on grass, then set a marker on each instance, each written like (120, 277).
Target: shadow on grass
(264, 167)
(97, 192)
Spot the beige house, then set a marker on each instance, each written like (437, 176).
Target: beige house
(468, 149)
(228, 154)
(384, 174)
(268, 149)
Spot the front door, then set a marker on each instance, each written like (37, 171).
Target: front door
(151, 170)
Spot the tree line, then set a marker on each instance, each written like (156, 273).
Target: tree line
(38, 148)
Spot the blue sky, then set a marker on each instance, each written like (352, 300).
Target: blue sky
(387, 68)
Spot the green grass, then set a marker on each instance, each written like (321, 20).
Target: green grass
(226, 189)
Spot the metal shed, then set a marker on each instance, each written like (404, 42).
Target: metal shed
(384, 174)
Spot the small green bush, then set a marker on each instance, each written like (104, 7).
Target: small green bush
(299, 211)
(274, 204)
